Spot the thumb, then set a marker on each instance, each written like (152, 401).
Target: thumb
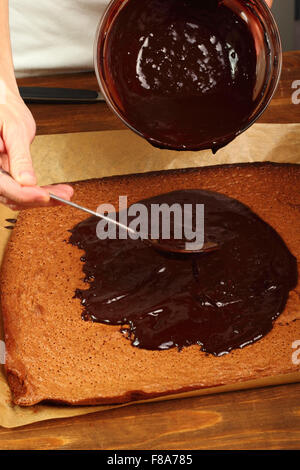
(20, 163)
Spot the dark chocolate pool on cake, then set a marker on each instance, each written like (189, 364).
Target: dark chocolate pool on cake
(222, 300)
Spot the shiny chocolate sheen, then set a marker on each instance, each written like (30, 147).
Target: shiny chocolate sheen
(181, 72)
(222, 300)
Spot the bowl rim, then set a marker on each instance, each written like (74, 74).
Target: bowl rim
(270, 88)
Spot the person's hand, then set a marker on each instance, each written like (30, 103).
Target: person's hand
(17, 131)
(269, 3)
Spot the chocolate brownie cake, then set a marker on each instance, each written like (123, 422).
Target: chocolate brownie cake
(54, 355)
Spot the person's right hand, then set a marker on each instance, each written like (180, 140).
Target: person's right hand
(17, 131)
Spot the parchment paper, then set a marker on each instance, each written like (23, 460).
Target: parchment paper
(71, 157)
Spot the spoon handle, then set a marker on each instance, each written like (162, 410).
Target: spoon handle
(97, 214)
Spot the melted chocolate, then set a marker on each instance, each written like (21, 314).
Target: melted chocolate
(181, 72)
(220, 300)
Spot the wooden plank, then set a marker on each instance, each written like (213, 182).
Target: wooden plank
(266, 418)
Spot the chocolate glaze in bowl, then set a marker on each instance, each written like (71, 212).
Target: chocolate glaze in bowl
(185, 74)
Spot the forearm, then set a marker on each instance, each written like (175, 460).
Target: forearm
(6, 62)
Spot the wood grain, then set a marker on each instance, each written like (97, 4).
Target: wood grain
(257, 419)
(267, 418)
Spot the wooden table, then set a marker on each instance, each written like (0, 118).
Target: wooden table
(267, 418)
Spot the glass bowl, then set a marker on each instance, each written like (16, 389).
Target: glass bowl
(268, 69)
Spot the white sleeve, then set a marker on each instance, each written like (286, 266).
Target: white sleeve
(52, 37)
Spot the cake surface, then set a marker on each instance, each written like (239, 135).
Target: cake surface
(53, 355)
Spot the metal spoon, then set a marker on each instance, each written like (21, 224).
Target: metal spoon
(169, 246)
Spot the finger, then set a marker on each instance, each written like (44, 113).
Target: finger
(8, 203)
(61, 190)
(17, 145)
(19, 207)
(2, 146)
(5, 162)
(21, 195)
